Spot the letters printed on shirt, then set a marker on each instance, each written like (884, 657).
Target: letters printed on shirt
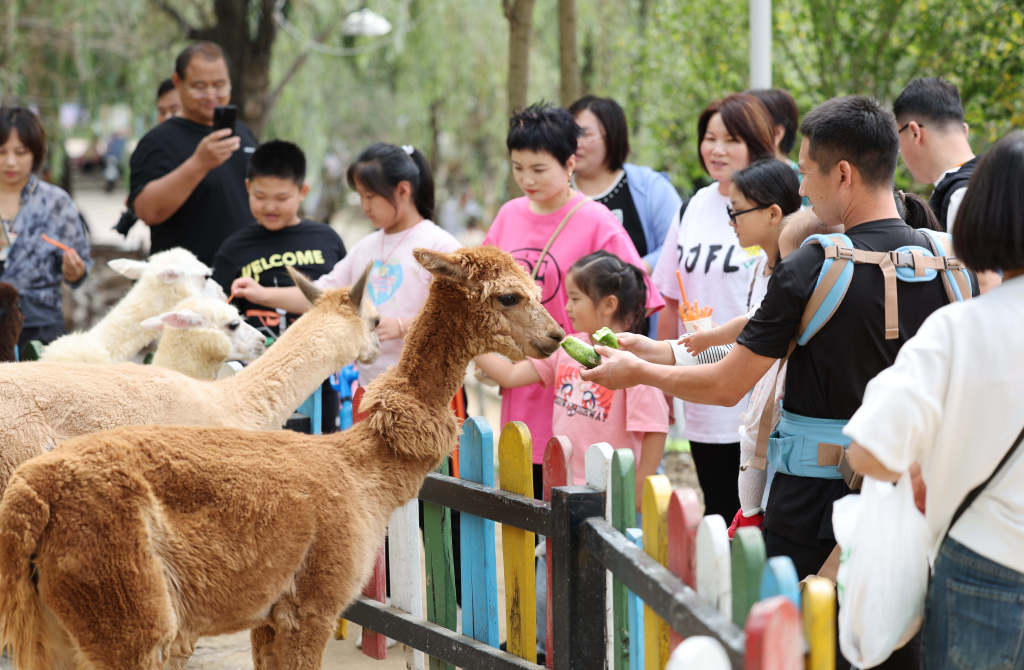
(261, 265)
(701, 256)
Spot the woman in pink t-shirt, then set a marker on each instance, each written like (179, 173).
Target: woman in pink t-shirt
(602, 291)
(542, 146)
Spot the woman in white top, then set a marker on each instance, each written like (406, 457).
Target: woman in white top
(716, 272)
(954, 403)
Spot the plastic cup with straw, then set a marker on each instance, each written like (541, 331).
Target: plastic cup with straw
(694, 316)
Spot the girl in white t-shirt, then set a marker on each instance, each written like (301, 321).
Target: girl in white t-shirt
(716, 272)
(396, 191)
(760, 196)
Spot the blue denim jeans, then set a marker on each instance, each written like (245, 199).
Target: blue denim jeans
(974, 616)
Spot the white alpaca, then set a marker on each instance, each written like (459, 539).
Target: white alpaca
(200, 334)
(43, 403)
(167, 278)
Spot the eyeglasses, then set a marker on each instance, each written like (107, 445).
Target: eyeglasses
(907, 125)
(200, 88)
(733, 213)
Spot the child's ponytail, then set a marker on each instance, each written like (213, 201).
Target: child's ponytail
(600, 274)
(381, 167)
(423, 193)
(917, 212)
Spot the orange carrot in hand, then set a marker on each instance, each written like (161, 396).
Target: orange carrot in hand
(59, 245)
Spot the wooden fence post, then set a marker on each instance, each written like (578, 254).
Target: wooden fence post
(599, 477)
(479, 562)
(654, 513)
(374, 644)
(714, 567)
(440, 568)
(578, 582)
(779, 579)
(636, 614)
(556, 472)
(623, 497)
(699, 652)
(818, 596)
(406, 576)
(684, 513)
(747, 565)
(515, 457)
(774, 636)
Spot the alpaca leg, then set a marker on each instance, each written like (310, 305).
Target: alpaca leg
(302, 648)
(181, 650)
(262, 638)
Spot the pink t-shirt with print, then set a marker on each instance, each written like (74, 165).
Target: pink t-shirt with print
(523, 234)
(586, 412)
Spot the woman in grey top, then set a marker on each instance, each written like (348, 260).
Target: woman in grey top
(42, 239)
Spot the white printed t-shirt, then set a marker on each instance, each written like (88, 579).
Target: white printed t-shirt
(716, 273)
(397, 284)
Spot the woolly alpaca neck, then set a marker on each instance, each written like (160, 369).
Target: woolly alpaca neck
(119, 330)
(436, 352)
(269, 389)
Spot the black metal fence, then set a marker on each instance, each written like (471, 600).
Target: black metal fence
(583, 546)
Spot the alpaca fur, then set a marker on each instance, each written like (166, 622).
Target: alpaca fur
(11, 321)
(123, 547)
(42, 404)
(167, 278)
(200, 334)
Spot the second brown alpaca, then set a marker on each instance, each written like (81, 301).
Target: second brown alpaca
(123, 547)
(11, 321)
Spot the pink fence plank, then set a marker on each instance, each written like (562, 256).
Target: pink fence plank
(774, 636)
(374, 644)
(684, 514)
(557, 456)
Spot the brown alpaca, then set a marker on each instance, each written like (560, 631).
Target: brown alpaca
(119, 549)
(11, 321)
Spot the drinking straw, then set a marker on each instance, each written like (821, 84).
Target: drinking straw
(682, 291)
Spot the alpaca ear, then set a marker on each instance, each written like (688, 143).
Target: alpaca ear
(184, 319)
(128, 267)
(440, 265)
(355, 294)
(308, 288)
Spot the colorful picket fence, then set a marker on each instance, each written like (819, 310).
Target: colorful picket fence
(729, 606)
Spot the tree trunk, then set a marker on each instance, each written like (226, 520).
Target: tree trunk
(520, 19)
(248, 53)
(568, 61)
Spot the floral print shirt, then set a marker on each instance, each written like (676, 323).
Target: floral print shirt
(33, 265)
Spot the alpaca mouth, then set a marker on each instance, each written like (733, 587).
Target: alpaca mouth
(545, 349)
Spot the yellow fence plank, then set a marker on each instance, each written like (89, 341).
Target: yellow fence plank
(515, 470)
(654, 511)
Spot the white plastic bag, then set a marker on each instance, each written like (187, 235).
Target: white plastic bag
(883, 570)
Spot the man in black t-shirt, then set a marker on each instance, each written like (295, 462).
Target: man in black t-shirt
(187, 180)
(847, 159)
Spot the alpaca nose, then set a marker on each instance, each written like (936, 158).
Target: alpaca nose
(556, 335)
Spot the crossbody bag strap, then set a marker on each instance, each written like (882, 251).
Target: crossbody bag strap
(554, 236)
(976, 491)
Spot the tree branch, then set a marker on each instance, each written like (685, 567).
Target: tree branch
(187, 28)
(300, 60)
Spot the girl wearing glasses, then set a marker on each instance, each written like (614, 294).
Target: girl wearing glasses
(716, 272)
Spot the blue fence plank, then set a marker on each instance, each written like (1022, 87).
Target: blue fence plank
(636, 614)
(479, 563)
(780, 579)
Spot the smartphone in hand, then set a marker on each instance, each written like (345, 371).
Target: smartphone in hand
(224, 117)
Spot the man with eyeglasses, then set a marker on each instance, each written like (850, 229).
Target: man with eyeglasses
(933, 142)
(188, 180)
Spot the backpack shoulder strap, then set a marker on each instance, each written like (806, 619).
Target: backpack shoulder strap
(830, 289)
(955, 278)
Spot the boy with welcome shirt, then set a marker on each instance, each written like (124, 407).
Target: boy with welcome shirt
(276, 185)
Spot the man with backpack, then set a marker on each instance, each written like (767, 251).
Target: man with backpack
(888, 278)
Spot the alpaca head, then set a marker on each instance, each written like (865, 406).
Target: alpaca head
(502, 308)
(359, 316)
(219, 321)
(166, 278)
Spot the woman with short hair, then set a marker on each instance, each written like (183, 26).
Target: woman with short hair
(42, 239)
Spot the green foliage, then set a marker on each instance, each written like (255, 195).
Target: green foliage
(437, 81)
